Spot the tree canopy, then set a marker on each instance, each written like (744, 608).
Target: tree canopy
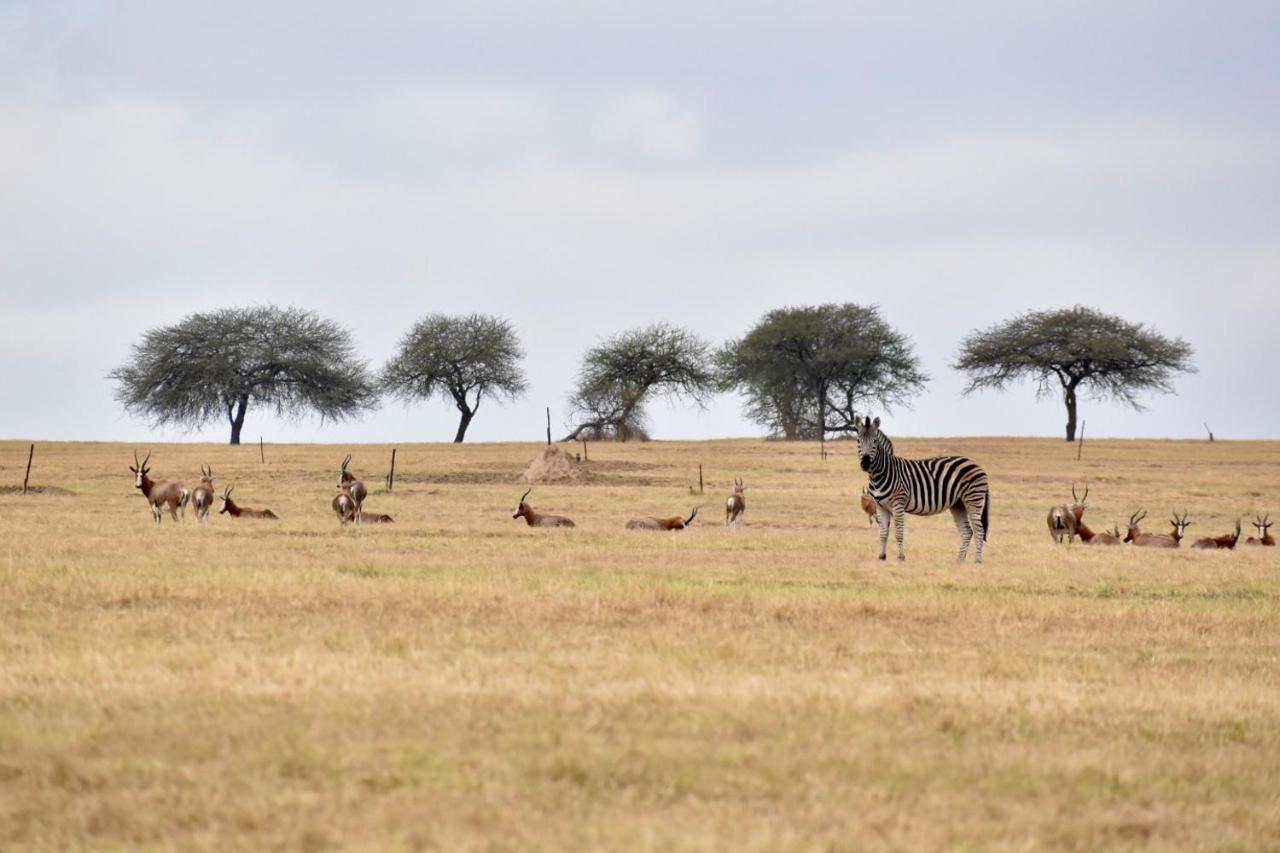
(216, 364)
(463, 359)
(1071, 350)
(805, 371)
(622, 374)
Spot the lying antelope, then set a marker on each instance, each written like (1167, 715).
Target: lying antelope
(159, 495)
(736, 505)
(1172, 539)
(675, 522)
(202, 495)
(376, 518)
(234, 510)
(1088, 537)
(1065, 519)
(356, 486)
(868, 505)
(1263, 524)
(1227, 540)
(536, 519)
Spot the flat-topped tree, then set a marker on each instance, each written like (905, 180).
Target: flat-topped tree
(464, 359)
(623, 373)
(216, 364)
(1074, 349)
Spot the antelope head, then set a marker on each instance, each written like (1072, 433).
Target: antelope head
(206, 475)
(523, 509)
(345, 476)
(739, 486)
(140, 469)
(1134, 532)
(1081, 503)
(1262, 523)
(226, 500)
(1180, 525)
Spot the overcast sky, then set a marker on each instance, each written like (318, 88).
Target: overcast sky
(582, 168)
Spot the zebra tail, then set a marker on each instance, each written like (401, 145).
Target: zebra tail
(986, 515)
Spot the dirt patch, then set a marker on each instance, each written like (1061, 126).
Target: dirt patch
(37, 490)
(553, 465)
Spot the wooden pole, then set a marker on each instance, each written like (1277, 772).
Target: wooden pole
(585, 458)
(1080, 443)
(1206, 429)
(391, 477)
(27, 476)
(262, 453)
(548, 426)
(699, 478)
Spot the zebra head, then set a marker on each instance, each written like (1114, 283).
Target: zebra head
(868, 442)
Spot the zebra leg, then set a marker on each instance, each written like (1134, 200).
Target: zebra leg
(975, 522)
(961, 517)
(883, 515)
(899, 523)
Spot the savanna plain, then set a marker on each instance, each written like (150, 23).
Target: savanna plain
(458, 680)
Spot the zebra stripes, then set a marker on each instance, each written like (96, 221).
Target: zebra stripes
(923, 487)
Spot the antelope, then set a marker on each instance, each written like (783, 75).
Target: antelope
(675, 522)
(537, 519)
(1227, 541)
(343, 505)
(868, 504)
(736, 505)
(202, 495)
(1263, 524)
(1157, 540)
(159, 495)
(231, 508)
(376, 518)
(1088, 537)
(1065, 519)
(357, 487)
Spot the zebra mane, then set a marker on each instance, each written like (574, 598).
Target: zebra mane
(884, 444)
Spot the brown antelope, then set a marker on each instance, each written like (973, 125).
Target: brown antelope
(1263, 524)
(376, 518)
(675, 522)
(1172, 539)
(159, 495)
(536, 519)
(1227, 540)
(1088, 537)
(736, 505)
(234, 510)
(1065, 519)
(343, 505)
(202, 495)
(356, 486)
(868, 504)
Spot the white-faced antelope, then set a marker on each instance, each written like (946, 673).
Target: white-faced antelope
(736, 505)
(1263, 525)
(202, 495)
(537, 519)
(1064, 519)
(1172, 539)
(356, 486)
(231, 508)
(1227, 540)
(159, 494)
(868, 505)
(675, 522)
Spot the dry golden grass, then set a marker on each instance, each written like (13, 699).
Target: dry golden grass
(457, 680)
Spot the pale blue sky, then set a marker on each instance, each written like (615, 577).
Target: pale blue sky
(585, 168)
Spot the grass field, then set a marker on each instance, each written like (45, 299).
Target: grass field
(457, 680)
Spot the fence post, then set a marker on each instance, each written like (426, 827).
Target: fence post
(27, 476)
(391, 477)
(1080, 444)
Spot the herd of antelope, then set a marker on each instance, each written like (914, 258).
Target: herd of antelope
(1066, 522)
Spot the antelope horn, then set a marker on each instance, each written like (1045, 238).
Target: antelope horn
(1073, 492)
(526, 494)
(148, 459)
(693, 515)
(136, 463)
(1085, 499)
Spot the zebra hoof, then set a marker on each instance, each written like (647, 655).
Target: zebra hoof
(883, 557)
(902, 558)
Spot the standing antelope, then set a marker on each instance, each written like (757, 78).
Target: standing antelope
(736, 505)
(231, 508)
(924, 487)
(1263, 524)
(202, 495)
(868, 505)
(356, 486)
(675, 522)
(1157, 540)
(1065, 519)
(344, 507)
(537, 519)
(165, 493)
(1227, 540)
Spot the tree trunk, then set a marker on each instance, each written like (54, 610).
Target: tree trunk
(464, 421)
(1069, 397)
(237, 418)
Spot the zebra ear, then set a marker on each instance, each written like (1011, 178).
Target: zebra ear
(876, 422)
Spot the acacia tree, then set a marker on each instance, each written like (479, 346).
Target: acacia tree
(463, 358)
(1074, 349)
(805, 371)
(216, 364)
(622, 374)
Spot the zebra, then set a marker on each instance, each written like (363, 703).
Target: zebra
(923, 487)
